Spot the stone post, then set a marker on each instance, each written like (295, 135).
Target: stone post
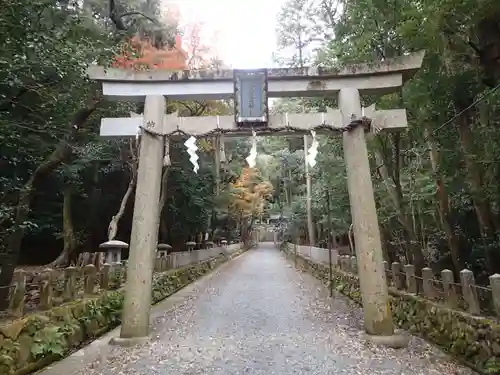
(411, 281)
(46, 289)
(144, 236)
(495, 292)
(377, 313)
(469, 291)
(123, 271)
(70, 275)
(105, 276)
(158, 264)
(387, 271)
(397, 275)
(16, 304)
(450, 295)
(347, 263)
(90, 278)
(310, 225)
(354, 265)
(427, 282)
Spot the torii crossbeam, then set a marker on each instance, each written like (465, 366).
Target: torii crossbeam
(285, 124)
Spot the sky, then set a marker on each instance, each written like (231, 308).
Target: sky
(243, 31)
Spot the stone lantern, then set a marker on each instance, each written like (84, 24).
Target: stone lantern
(210, 244)
(223, 243)
(113, 250)
(190, 245)
(163, 250)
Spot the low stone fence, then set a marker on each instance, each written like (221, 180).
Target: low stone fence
(317, 254)
(461, 317)
(53, 287)
(35, 340)
(181, 259)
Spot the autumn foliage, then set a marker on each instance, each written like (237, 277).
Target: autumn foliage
(249, 194)
(141, 54)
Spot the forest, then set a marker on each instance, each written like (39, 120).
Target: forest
(437, 184)
(64, 190)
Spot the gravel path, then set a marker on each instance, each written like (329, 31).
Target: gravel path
(259, 315)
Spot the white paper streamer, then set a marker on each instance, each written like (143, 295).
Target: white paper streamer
(191, 149)
(313, 151)
(252, 158)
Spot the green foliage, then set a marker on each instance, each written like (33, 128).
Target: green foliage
(43, 86)
(455, 332)
(459, 69)
(8, 356)
(49, 146)
(111, 307)
(492, 366)
(49, 341)
(45, 338)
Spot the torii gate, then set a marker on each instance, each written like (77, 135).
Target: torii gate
(250, 89)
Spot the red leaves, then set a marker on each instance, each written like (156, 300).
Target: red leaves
(140, 54)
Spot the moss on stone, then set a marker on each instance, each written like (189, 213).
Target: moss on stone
(473, 340)
(34, 341)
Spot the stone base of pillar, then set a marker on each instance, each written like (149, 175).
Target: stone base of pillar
(396, 341)
(127, 342)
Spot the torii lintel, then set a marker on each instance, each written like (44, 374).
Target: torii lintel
(369, 78)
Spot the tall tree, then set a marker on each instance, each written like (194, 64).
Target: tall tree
(51, 45)
(438, 202)
(296, 31)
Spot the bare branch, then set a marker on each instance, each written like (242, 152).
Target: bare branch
(117, 18)
(127, 14)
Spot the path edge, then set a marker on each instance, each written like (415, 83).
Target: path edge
(72, 364)
(301, 264)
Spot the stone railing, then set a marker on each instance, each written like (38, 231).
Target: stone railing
(458, 315)
(52, 287)
(185, 258)
(463, 294)
(37, 339)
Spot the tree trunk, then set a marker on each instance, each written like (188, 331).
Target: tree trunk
(290, 187)
(488, 34)
(393, 187)
(163, 200)
(92, 226)
(133, 165)
(60, 155)
(475, 182)
(444, 209)
(64, 258)
(474, 175)
(387, 248)
(350, 236)
(115, 220)
(246, 228)
(334, 243)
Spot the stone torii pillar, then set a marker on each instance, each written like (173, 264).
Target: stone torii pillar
(348, 83)
(372, 277)
(146, 216)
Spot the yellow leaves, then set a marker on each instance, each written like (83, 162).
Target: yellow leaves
(249, 193)
(205, 145)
